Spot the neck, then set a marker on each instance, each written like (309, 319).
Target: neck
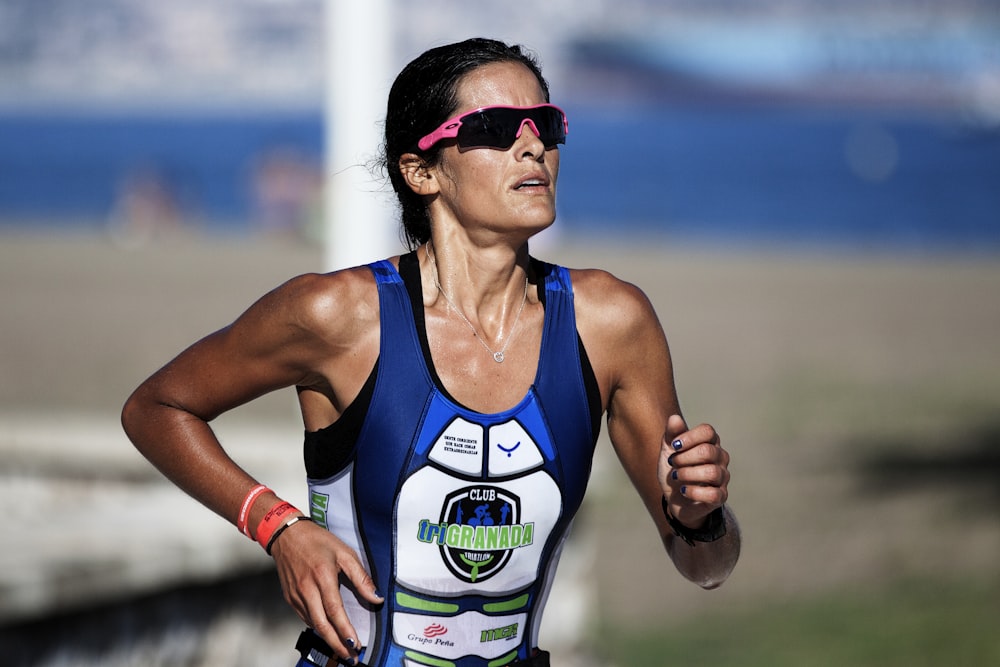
(481, 280)
(490, 303)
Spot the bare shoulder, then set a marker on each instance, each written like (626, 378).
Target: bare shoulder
(607, 306)
(619, 329)
(330, 305)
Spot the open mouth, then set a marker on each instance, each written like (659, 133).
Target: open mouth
(531, 183)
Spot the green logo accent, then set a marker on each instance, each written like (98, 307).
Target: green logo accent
(496, 634)
(435, 662)
(318, 505)
(411, 602)
(509, 605)
(474, 566)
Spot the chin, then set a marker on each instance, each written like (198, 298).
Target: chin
(537, 223)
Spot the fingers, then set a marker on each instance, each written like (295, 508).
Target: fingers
(703, 454)
(328, 618)
(709, 494)
(682, 448)
(680, 438)
(701, 478)
(675, 427)
(361, 581)
(694, 469)
(318, 602)
(708, 474)
(311, 574)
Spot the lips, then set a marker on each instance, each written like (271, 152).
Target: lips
(533, 181)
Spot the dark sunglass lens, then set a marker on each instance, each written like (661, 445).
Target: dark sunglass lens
(498, 127)
(550, 125)
(490, 127)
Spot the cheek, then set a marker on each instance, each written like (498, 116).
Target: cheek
(483, 175)
(470, 186)
(472, 168)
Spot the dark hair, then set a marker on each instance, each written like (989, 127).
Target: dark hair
(422, 97)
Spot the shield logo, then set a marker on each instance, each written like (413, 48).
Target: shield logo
(483, 531)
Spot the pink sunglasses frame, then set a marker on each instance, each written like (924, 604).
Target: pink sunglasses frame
(449, 129)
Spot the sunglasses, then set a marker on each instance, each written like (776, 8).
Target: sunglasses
(500, 127)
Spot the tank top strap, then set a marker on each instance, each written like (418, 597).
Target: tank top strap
(560, 381)
(385, 273)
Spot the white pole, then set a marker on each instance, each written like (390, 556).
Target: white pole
(359, 224)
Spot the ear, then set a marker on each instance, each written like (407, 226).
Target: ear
(418, 174)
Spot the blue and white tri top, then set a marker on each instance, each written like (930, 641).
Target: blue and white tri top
(459, 516)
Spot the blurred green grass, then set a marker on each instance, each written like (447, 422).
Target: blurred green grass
(907, 622)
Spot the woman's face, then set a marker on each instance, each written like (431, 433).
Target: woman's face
(489, 189)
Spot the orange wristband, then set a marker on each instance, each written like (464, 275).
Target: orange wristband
(244, 515)
(274, 519)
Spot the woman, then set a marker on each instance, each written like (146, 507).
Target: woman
(451, 397)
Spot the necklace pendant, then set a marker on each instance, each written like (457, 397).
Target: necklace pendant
(498, 357)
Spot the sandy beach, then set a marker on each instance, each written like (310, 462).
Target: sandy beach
(859, 394)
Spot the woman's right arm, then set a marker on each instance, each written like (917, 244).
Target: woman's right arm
(167, 416)
(300, 334)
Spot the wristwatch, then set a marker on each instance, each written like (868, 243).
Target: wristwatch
(714, 528)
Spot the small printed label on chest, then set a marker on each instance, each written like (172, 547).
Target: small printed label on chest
(460, 447)
(455, 445)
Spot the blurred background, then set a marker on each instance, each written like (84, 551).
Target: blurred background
(808, 191)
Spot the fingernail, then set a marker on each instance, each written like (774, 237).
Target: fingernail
(350, 643)
(670, 460)
(673, 474)
(676, 444)
(378, 595)
(684, 490)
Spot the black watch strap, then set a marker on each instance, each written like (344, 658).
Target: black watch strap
(714, 528)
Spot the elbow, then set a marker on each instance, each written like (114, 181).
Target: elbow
(140, 411)
(716, 579)
(132, 416)
(709, 564)
(150, 413)
(712, 576)
(708, 575)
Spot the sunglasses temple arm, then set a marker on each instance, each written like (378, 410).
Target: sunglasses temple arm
(447, 131)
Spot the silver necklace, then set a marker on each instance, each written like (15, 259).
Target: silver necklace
(498, 355)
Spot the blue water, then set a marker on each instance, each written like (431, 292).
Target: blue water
(763, 175)
(727, 175)
(73, 168)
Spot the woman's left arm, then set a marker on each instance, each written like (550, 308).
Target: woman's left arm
(681, 473)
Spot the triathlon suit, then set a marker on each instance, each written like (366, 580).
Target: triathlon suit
(458, 516)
